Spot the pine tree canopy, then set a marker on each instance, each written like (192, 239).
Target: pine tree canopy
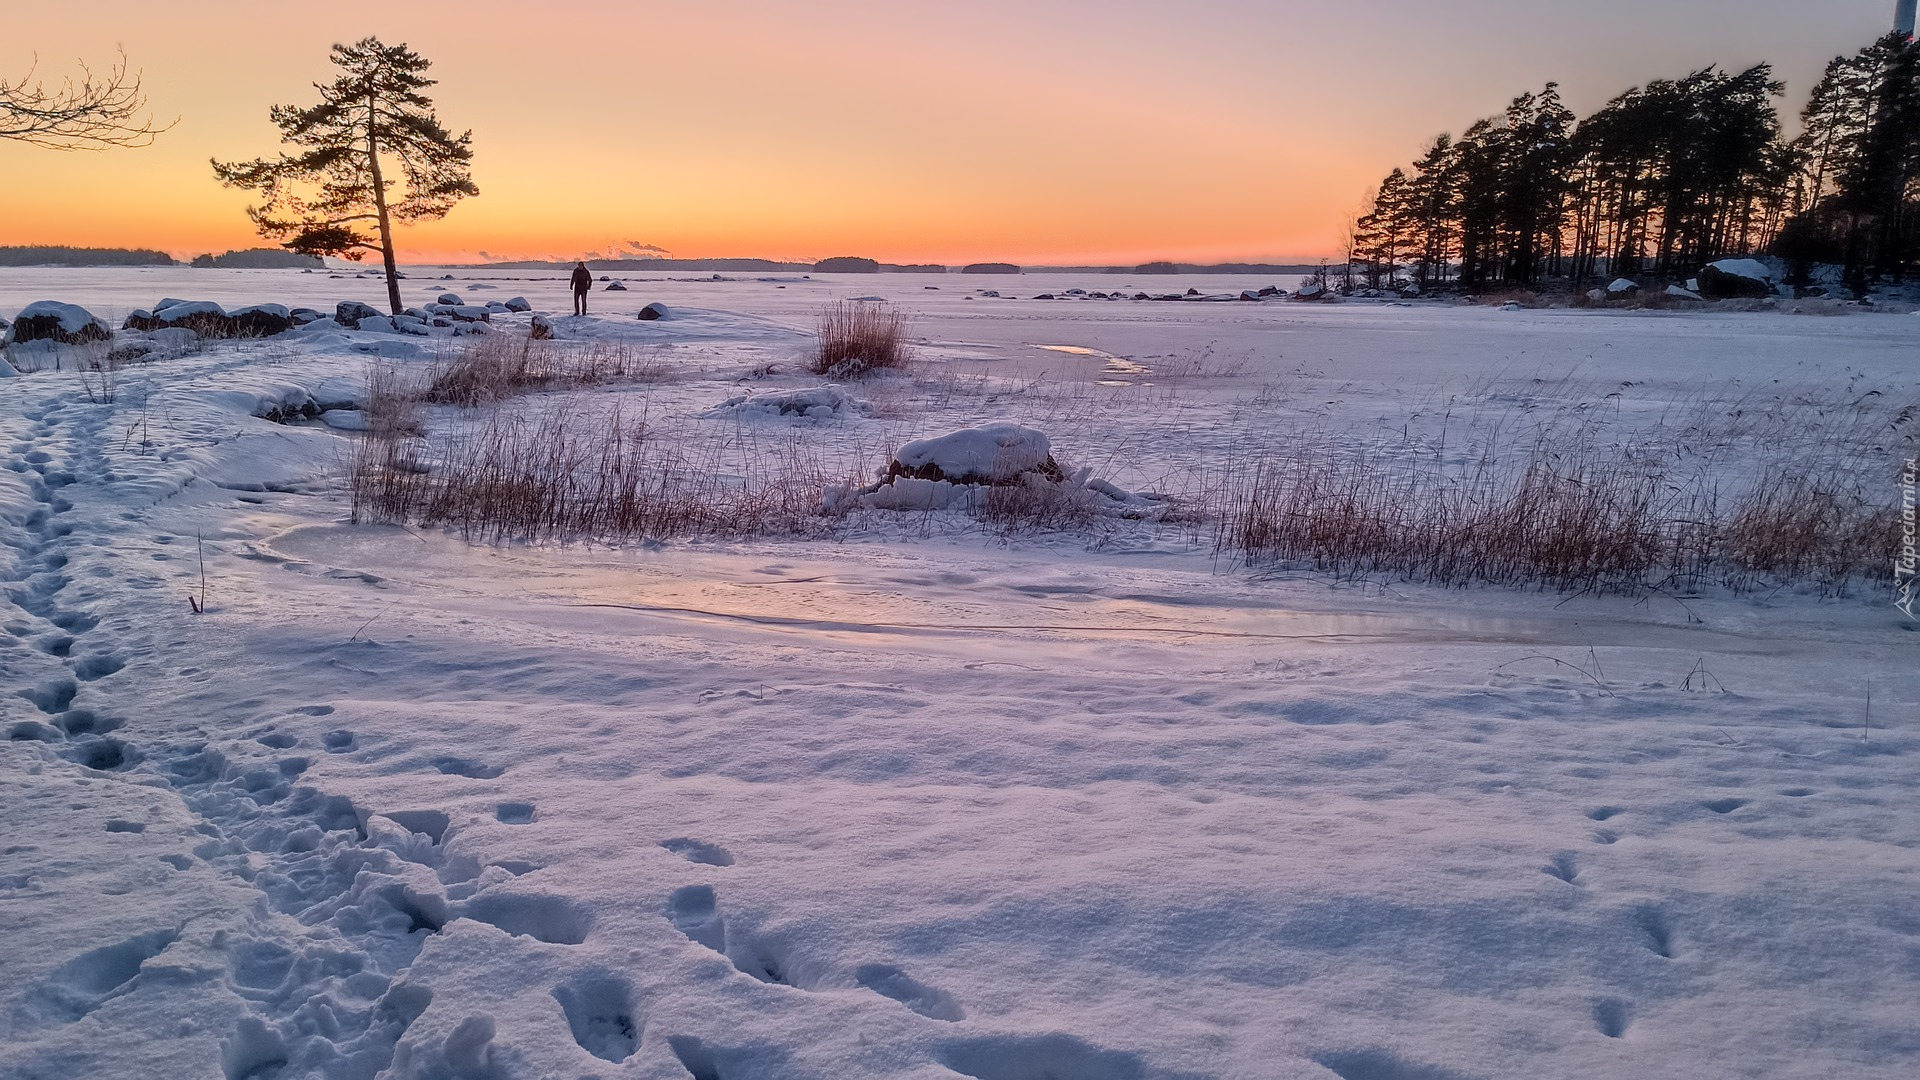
(335, 194)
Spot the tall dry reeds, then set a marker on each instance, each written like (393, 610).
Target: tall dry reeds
(1602, 521)
(859, 336)
(566, 472)
(500, 366)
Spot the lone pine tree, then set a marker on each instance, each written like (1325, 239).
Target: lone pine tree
(334, 196)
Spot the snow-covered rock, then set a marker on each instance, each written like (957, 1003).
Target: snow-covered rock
(376, 324)
(467, 313)
(1621, 288)
(301, 316)
(1730, 278)
(615, 286)
(350, 312)
(655, 311)
(51, 320)
(1310, 292)
(517, 303)
(450, 299)
(541, 329)
(260, 320)
(990, 454)
(1680, 293)
(814, 402)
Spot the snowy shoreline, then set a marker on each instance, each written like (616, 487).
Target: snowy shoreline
(927, 803)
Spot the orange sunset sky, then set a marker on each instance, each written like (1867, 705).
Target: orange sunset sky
(1038, 131)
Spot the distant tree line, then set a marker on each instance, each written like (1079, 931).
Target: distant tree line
(79, 256)
(1661, 180)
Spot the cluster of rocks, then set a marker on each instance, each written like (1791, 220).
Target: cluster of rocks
(1727, 279)
(448, 312)
(209, 320)
(174, 326)
(1270, 292)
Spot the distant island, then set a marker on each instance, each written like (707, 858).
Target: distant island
(79, 256)
(260, 259)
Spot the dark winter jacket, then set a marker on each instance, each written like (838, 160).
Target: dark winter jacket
(582, 279)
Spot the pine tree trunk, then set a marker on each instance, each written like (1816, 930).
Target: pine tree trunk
(380, 206)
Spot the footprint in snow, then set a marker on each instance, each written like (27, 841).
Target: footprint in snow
(698, 851)
(1564, 866)
(1611, 1017)
(600, 1014)
(891, 982)
(458, 766)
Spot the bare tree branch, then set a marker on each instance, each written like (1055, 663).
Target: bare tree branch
(91, 112)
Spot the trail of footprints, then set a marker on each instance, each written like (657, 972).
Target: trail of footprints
(38, 578)
(1612, 1016)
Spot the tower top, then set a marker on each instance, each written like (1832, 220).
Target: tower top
(1903, 12)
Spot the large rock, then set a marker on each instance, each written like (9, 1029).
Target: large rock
(655, 311)
(1730, 278)
(1622, 288)
(518, 303)
(450, 299)
(995, 454)
(203, 317)
(541, 328)
(350, 312)
(260, 320)
(51, 320)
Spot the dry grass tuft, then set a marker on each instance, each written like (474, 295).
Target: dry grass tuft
(858, 337)
(496, 367)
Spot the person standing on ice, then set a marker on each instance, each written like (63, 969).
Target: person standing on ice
(582, 285)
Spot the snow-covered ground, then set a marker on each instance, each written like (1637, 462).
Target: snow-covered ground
(918, 799)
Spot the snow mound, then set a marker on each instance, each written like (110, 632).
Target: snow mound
(813, 402)
(1622, 287)
(967, 469)
(991, 454)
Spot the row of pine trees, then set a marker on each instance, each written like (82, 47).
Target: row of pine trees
(1663, 179)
